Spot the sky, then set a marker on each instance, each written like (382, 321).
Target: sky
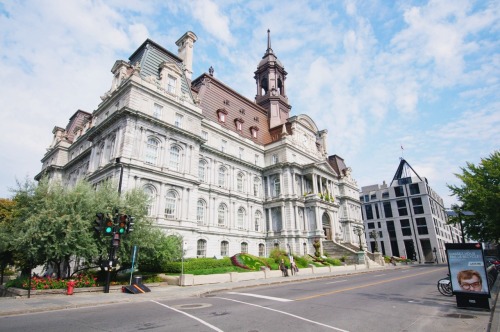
(387, 79)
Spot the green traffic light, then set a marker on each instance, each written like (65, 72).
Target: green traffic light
(109, 229)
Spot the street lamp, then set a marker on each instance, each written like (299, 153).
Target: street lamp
(457, 211)
(359, 231)
(117, 161)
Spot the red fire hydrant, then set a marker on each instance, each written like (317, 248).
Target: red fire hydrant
(71, 287)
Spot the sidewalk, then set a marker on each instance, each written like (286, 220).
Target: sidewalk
(41, 303)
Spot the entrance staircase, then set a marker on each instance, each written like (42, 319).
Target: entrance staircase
(347, 251)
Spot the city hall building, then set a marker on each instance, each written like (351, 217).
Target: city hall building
(226, 173)
(407, 218)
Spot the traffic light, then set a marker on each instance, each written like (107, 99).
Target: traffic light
(98, 223)
(108, 226)
(130, 224)
(122, 224)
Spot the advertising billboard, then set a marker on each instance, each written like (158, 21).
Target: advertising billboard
(467, 269)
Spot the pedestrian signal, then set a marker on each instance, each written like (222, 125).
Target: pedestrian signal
(130, 224)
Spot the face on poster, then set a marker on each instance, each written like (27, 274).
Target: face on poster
(467, 271)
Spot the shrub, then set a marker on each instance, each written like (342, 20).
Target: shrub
(192, 264)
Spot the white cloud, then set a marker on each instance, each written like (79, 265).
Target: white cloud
(212, 20)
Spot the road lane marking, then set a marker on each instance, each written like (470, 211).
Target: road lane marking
(334, 282)
(284, 313)
(363, 286)
(279, 299)
(190, 316)
(379, 275)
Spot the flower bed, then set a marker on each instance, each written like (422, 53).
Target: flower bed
(40, 283)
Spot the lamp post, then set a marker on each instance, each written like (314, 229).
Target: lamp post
(359, 231)
(457, 212)
(117, 160)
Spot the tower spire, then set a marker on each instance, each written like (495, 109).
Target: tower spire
(269, 49)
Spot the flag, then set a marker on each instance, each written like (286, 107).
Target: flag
(402, 147)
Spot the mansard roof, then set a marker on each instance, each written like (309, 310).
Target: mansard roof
(150, 55)
(337, 164)
(215, 96)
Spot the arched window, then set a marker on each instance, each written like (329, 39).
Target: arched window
(258, 221)
(224, 248)
(151, 193)
(276, 186)
(262, 250)
(174, 157)
(241, 218)
(202, 166)
(200, 212)
(240, 181)
(222, 177)
(256, 187)
(221, 215)
(170, 205)
(152, 146)
(244, 248)
(111, 147)
(201, 248)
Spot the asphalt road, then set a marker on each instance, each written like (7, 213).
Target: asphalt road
(390, 300)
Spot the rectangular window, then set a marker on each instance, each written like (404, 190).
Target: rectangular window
(405, 227)
(371, 225)
(373, 196)
(390, 229)
(417, 205)
(387, 209)
(157, 111)
(241, 153)
(178, 120)
(414, 189)
(376, 211)
(369, 211)
(402, 207)
(422, 226)
(275, 159)
(399, 191)
(223, 146)
(385, 194)
(204, 135)
(171, 84)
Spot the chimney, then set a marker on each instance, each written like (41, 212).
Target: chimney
(185, 44)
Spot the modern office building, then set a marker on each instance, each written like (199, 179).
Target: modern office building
(407, 218)
(227, 173)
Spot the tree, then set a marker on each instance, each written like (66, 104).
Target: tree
(480, 194)
(6, 255)
(54, 224)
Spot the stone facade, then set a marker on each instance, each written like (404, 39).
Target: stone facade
(227, 173)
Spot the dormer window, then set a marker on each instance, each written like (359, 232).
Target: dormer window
(170, 75)
(253, 131)
(221, 115)
(239, 124)
(171, 84)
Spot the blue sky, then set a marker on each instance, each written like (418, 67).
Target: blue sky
(377, 75)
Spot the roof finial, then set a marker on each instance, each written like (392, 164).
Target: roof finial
(269, 49)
